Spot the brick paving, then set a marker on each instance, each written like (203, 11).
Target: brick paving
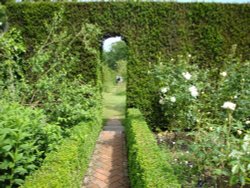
(108, 166)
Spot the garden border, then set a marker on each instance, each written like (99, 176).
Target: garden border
(148, 164)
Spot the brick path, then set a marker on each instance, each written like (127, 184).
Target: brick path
(108, 167)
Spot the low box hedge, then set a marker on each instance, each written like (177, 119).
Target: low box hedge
(148, 165)
(67, 166)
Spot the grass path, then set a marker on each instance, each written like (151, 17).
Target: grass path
(114, 101)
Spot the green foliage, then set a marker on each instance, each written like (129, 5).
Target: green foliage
(3, 18)
(68, 108)
(67, 166)
(216, 114)
(11, 71)
(76, 42)
(207, 30)
(108, 78)
(148, 166)
(151, 30)
(240, 163)
(24, 138)
(212, 157)
(118, 52)
(122, 69)
(53, 83)
(184, 108)
(177, 104)
(47, 79)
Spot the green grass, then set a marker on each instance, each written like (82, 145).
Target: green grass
(114, 101)
(114, 95)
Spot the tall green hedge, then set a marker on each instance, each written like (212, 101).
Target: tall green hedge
(151, 30)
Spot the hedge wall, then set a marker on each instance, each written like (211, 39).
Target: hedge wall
(148, 165)
(151, 30)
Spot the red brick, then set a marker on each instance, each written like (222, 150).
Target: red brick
(109, 162)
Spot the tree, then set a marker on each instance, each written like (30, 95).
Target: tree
(118, 52)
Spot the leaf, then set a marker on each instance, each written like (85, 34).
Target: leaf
(5, 164)
(20, 170)
(18, 181)
(235, 169)
(218, 171)
(7, 147)
(31, 167)
(242, 168)
(5, 131)
(31, 159)
(11, 155)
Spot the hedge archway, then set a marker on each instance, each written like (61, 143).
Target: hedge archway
(206, 30)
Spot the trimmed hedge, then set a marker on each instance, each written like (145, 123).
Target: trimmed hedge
(67, 166)
(152, 30)
(148, 165)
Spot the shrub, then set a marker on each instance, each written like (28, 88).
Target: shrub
(216, 113)
(45, 79)
(73, 103)
(178, 93)
(67, 166)
(148, 166)
(188, 95)
(24, 139)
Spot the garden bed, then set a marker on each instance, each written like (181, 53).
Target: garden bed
(184, 162)
(206, 112)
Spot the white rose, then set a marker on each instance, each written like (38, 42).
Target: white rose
(229, 105)
(161, 101)
(239, 132)
(193, 91)
(247, 122)
(186, 75)
(224, 74)
(172, 99)
(164, 90)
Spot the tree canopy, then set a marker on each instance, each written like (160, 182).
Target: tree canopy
(118, 52)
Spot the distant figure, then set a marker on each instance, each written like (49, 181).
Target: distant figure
(118, 79)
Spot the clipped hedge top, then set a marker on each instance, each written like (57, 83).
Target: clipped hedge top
(148, 165)
(67, 166)
(148, 27)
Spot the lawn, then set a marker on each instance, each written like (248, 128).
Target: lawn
(114, 101)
